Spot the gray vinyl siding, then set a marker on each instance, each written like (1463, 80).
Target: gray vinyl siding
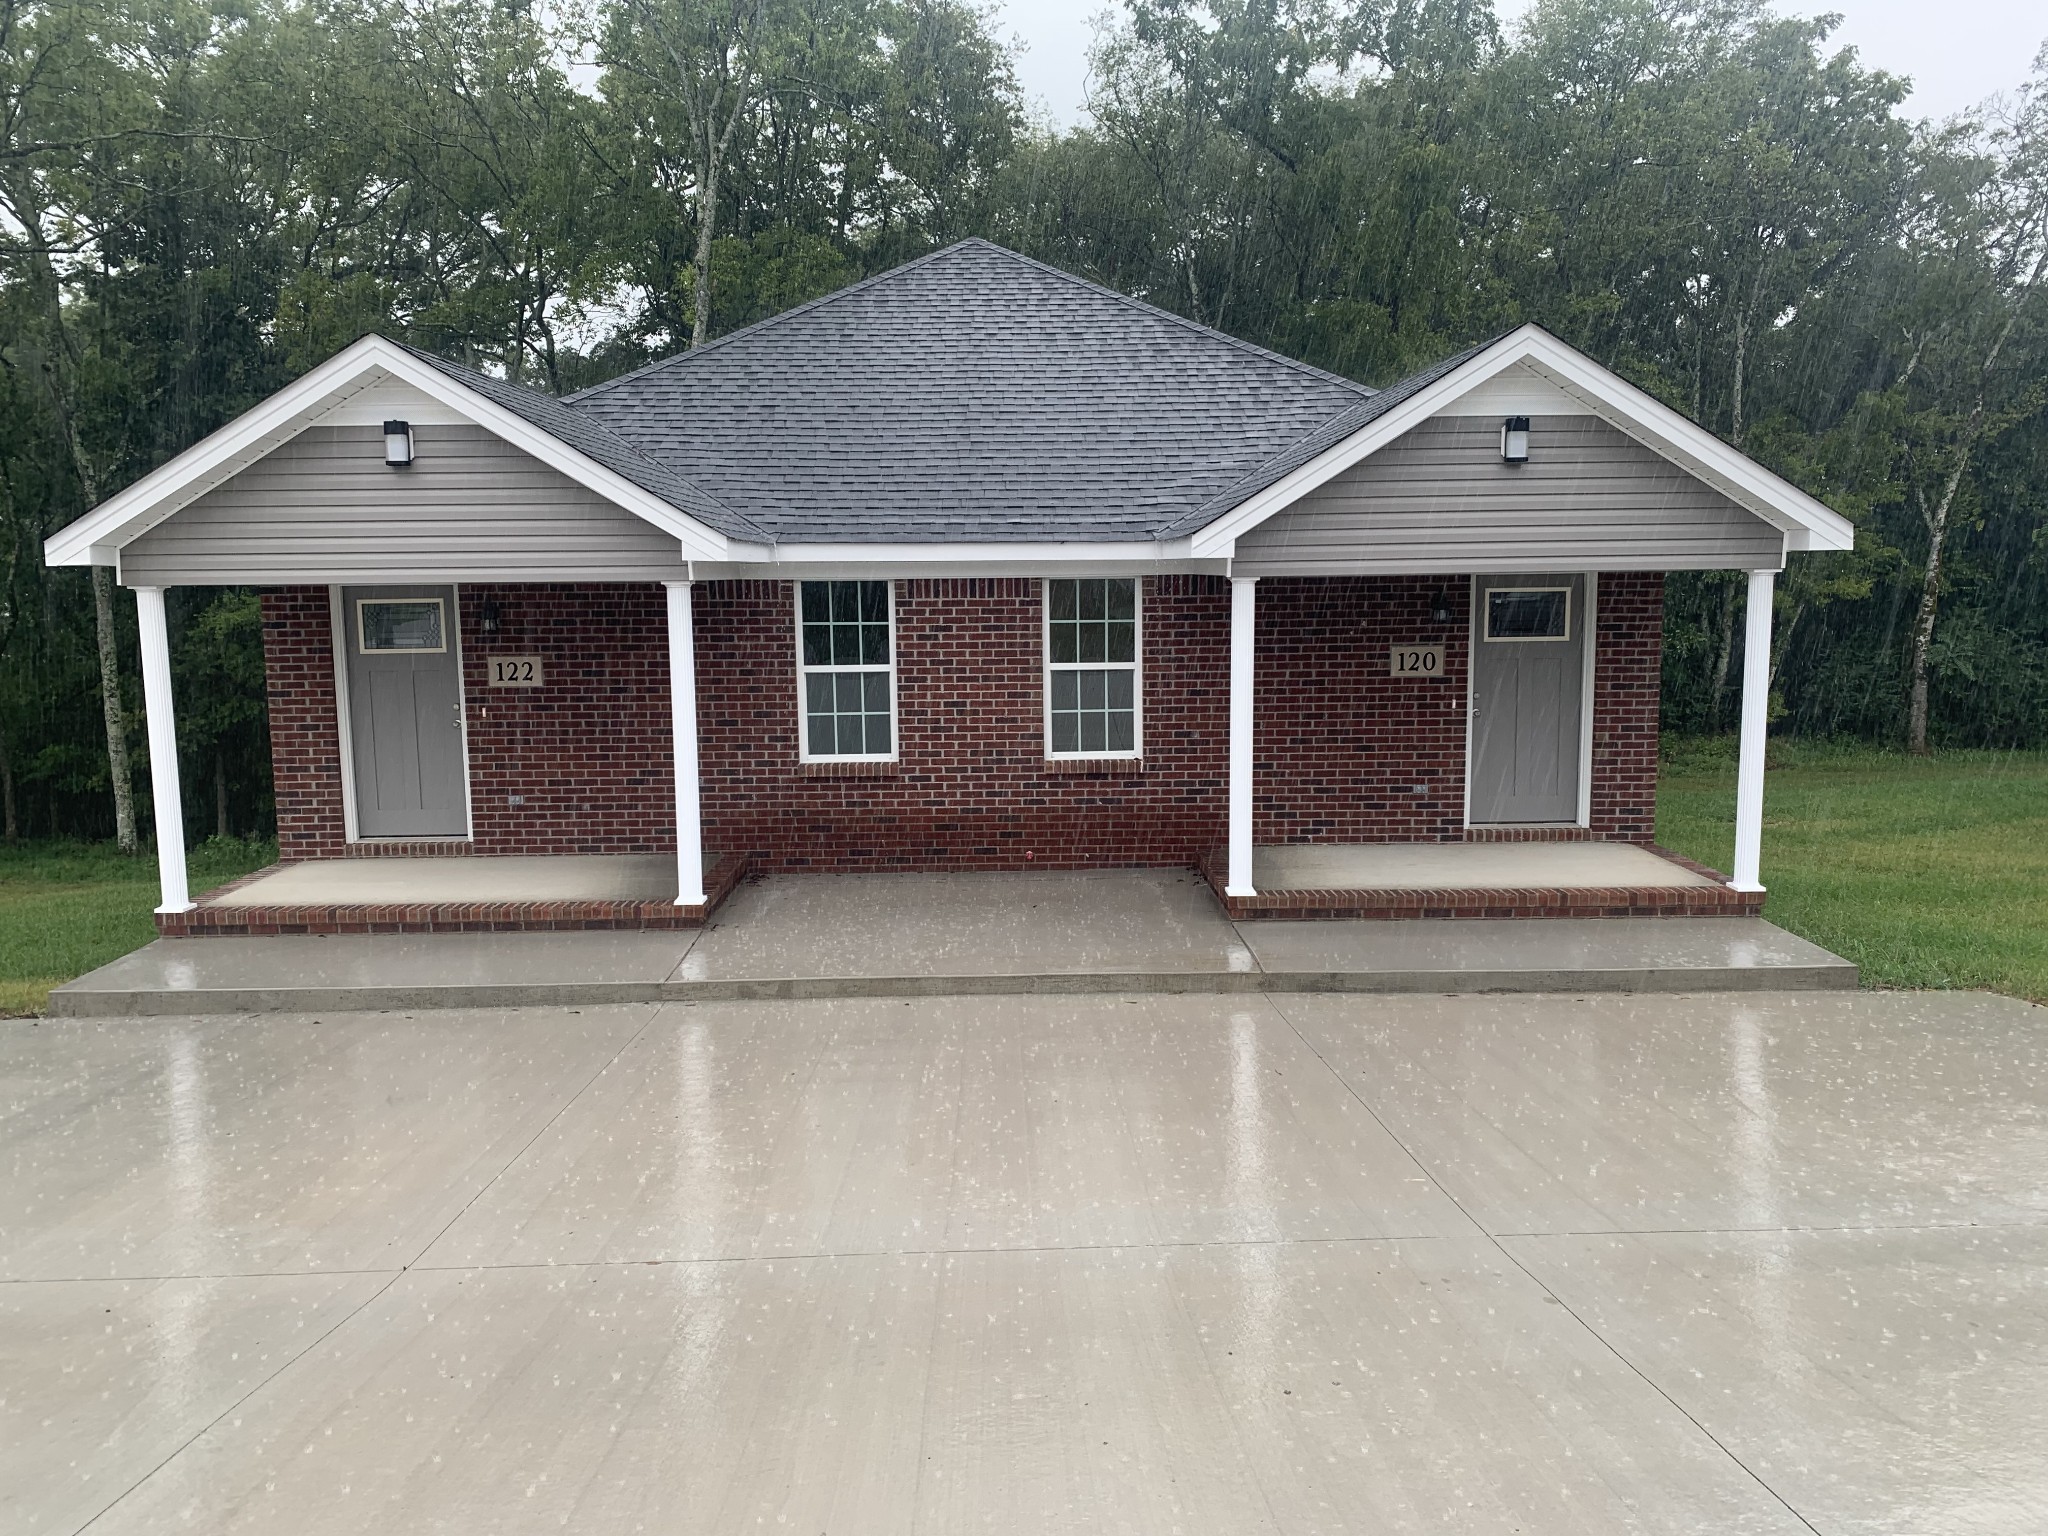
(324, 507)
(1440, 500)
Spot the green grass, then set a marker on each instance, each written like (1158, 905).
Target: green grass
(68, 907)
(1927, 872)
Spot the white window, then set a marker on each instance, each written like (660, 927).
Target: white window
(846, 681)
(1092, 689)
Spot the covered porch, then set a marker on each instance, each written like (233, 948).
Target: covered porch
(1553, 878)
(467, 894)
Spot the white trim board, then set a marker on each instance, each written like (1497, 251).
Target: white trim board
(1805, 521)
(355, 374)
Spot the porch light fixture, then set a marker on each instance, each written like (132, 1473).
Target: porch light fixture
(398, 444)
(1440, 610)
(487, 619)
(1514, 439)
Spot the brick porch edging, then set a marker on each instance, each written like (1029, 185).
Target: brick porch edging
(1716, 900)
(448, 917)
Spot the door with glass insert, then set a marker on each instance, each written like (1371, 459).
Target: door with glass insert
(405, 711)
(1528, 698)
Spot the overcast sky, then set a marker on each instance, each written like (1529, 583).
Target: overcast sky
(1957, 52)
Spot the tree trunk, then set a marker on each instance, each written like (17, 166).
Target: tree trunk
(220, 796)
(707, 219)
(1724, 653)
(110, 707)
(1938, 519)
(10, 819)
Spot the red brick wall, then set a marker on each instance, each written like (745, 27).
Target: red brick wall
(1628, 671)
(589, 753)
(305, 739)
(973, 789)
(1345, 752)
(1342, 746)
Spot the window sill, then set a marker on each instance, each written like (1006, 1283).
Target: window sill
(1096, 767)
(856, 769)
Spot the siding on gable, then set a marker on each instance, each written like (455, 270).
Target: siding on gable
(1441, 500)
(324, 507)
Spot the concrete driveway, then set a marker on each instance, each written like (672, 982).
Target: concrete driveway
(1762, 1263)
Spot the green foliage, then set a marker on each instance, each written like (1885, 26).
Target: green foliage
(198, 202)
(1927, 872)
(67, 907)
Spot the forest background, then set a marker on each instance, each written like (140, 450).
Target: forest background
(200, 201)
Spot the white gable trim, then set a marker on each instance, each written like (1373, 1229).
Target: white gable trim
(97, 538)
(1805, 521)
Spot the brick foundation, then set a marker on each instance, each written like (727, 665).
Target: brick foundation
(1345, 753)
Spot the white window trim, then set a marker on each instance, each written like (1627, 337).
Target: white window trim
(1485, 637)
(803, 672)
(1136, 664)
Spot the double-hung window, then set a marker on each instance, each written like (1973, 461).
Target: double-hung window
(1091, 668)
(845, 670)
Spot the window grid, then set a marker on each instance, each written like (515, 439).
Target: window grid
(846, 673)
(1093, 647)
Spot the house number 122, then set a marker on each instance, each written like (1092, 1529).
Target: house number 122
(515, 671)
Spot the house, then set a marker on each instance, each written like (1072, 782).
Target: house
(973, 565)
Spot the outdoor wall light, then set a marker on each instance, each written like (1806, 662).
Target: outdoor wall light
(487, 618)
(1514, 439)
(398, 444)
(1440, 610)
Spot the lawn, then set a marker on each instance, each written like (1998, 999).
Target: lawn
(1927, 872)
(68, 907)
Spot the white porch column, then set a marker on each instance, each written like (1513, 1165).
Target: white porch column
(1756, 715)
(163, 749)
(1243, 590)
(682, 695)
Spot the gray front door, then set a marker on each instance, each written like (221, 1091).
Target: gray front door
(405, 711)
(1528, 688)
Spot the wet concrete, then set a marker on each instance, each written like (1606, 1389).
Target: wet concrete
(1768, 1263)
(948, 935)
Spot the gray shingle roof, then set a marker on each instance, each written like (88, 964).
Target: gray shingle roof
(590, 437)
(973, 395)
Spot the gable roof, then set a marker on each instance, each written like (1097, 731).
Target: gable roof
(550, 431)
(974, 394)
(971, 397)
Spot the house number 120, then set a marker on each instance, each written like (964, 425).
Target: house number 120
(1418, 661)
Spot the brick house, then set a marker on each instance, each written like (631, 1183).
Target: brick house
(972, 566)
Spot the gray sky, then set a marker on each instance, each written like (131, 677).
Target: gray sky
(1957, 52)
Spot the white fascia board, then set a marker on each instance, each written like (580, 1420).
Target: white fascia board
(820, 561)
(226, 452)
(1692, 447)
(1648, 420)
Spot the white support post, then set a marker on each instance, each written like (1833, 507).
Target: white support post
(1243, 600)
(163, 749)
(1756, 716)
(682, 696)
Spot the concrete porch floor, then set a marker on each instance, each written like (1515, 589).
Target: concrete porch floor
(908, 935)
(380, 882)
(1453, 866)
(1299, 1266)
